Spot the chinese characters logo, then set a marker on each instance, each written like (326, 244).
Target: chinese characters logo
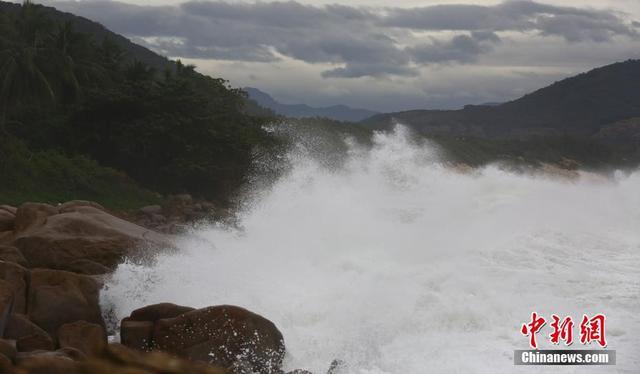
(591, 329)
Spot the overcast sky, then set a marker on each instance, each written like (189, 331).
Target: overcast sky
(381, 55)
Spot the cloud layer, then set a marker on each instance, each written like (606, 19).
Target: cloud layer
(354, 42)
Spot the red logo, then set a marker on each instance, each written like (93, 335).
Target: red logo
(532, 328)
(591, 329)
(562, 330)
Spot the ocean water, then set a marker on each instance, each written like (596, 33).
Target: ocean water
(394, 263)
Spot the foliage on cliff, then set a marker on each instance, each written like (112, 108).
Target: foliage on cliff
(168, 127)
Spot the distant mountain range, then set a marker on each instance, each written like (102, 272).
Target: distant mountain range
(602, 104)
(336, 112)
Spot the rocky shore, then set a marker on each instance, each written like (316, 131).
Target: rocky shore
(53, 260)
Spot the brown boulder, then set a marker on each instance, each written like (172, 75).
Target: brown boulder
(136, 334)
(120, 357)
(222, 335)
(18, 325)
(17, 278)
(9, 208)
(12, 254)
(45, 362)
(6, 303)
(74, 205)
(8, 349)
(159, 311)
(136, 331)
(58, 297)
(6, 220)
(72, 353)
(80, 232)
(86, 337)
(6, 366)
(34, 342)
(32, 214)
(114, 359)
(6, 237)
(87, 267)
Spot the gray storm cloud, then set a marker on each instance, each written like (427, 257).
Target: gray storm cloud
(361, 41)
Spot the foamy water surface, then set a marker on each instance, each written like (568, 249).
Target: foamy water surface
(394, 263)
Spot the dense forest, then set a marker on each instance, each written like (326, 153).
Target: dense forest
(74, 109)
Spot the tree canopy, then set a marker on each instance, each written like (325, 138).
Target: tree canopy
(172, 130)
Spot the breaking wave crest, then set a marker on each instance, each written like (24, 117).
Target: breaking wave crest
(394, 263)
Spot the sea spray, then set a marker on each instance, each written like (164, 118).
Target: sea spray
(393, 263)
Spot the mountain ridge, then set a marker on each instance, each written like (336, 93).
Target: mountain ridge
(335, 112)
(580, 106)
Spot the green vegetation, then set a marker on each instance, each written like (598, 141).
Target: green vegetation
(586, 107)
(82, 108)
(49, 176)
(564, 151)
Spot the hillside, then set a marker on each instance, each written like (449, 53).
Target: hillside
(580, 106)
(98, 32)
(112, 116)
(336, 112)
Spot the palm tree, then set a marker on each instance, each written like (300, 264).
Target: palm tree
(138, 72)
(33, 24)
(22, 80)
(22, 62)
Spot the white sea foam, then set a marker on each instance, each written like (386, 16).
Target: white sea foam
(395, 264)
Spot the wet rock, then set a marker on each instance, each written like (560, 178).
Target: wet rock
(6, 237)
(6, 304)
(18, 325)
(46, 362)
(76, 205)
(6, 366)
(34, 342)
(114, 359)
(159, 311)
(151, 210)
(6, 220)
(32, 214)
(86, 337)
(9, 208)
(87, 267)
(12, 254)
(119, 357)
(73, 353)
(241, 367)
(59, 297)
(81, 232)
(136, 331)
(136, 334)
(221, 335)
(8, 349)
(16, 278)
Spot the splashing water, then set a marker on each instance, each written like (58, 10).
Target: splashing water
(396, 264)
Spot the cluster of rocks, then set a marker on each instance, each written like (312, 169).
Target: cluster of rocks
(177, 212)
(78, 236)
(53, 260)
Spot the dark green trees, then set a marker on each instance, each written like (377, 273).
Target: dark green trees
(172, 130)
